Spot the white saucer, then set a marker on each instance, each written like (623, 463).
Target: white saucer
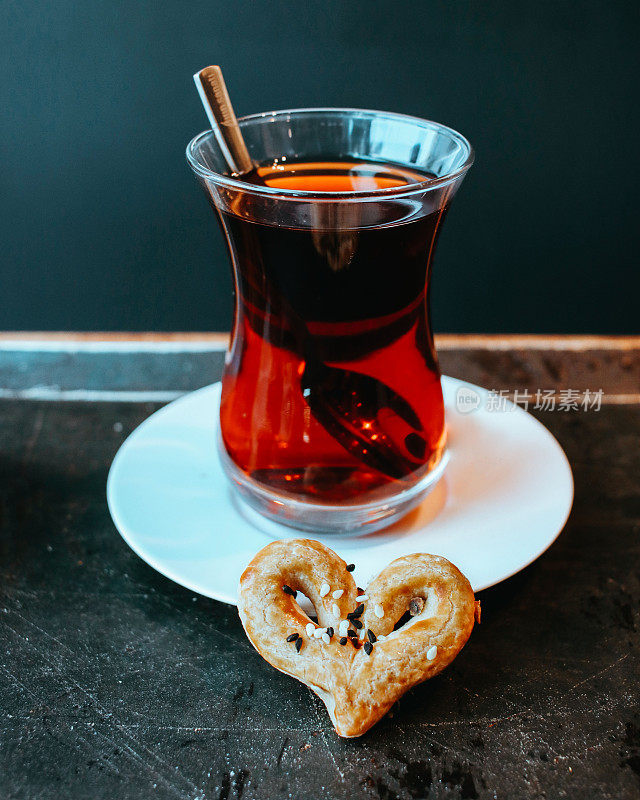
(505, 496)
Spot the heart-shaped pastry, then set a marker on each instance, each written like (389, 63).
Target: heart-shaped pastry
(353, 659)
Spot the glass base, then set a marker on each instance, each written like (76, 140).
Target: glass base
(324, 518)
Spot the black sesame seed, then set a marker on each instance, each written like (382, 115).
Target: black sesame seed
(329, 632)
(371, 635)
(352, 634)
(360, 590)
(368, 647)
(343, 640)
(359, 610)
(292, 637)
(350, 567)
(288, 590)
(299, 644)
(357, 624)
(415, 606)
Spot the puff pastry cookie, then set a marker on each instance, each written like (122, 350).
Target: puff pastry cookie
(353, 659)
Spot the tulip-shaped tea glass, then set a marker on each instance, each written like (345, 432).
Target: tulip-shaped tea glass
(332, 417)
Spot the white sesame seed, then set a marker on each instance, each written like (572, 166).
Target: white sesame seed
(343, 627)
(362, 633)
(310, 628)
(336, 611)
(378, 610)
(432, 652)
(338, 593)
(362, 597)
(381, 637)
(317, 633)
(324, 590)
(325, 638)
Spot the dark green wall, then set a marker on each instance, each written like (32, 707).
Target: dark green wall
(102, 226)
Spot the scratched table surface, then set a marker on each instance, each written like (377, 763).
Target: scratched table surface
(117, 683)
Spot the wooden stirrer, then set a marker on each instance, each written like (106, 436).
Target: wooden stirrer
(217, 104)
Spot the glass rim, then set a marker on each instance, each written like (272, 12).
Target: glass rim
(300, 194)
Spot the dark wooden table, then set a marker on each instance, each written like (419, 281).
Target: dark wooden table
(117, 683)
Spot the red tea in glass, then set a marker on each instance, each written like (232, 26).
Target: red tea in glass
(332, 414)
